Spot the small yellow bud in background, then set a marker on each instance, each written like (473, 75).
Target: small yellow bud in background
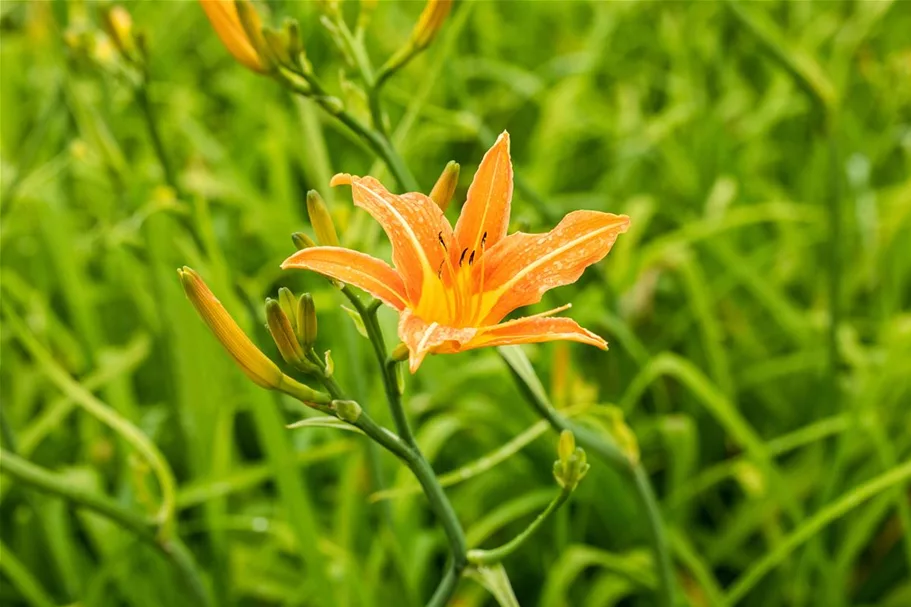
(119, 27)
(306, 321)
(248, 357)
(445, 186)
(321, 220)
(430, 22)
(302, 241)
(283, 333)
(234, 33)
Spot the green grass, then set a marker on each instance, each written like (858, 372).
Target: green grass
(757, 310)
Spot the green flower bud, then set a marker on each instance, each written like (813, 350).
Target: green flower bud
(283, 333)
(445, 186)
(302, 241)
(347, 410)
(321, 220)
(306, 321)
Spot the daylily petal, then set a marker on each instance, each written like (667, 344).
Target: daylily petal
(421, 337)
(518, 270)
(534, 329)
(363, 271)
(486, 209)
(414, 225)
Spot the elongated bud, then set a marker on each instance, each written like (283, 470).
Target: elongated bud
(283, 333)
(445, 186)
(119, 27)
(302, 241)
(248, 357)
(288, 303)
(306, 321)
(430, 22)
(321, 220)
(233, 22)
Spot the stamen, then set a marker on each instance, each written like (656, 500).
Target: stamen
(471, 258)
(462, 256)
(442, 242)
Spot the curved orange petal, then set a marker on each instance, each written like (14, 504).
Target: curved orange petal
(518, 270)
(422, 337)
(414, 225)
(226, 23)
(486, 209)
(363, 271)
(534, 329)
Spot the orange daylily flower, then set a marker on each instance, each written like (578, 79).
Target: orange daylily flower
(454, 286)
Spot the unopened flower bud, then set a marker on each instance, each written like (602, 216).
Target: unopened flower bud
(572, 465)
(321, 220)
(430, 22)
(306, 321)
(566, 445)
(276, 45)
(347, 410)
(238, 26)
(119, 27)
(399, 353)
(248, 357)
(445, 186)
(283, 333)
(302, 241)
(289, 305)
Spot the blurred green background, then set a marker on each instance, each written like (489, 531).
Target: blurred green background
(757, 310)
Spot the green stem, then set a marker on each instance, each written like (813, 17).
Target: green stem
(495, 555)
(446, 588)
(172, 547)
(617, 459)
(412, 455)
(374, 139)
(148, 113)
(130, 433)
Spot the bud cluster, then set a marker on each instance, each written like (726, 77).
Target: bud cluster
(572, 465)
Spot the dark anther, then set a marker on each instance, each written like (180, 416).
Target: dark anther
(462, 256)
(440, 271)
(483, 239)
(471, 258)
(442, 242)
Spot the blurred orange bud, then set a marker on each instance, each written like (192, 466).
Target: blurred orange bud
(430, 22)
(445, 186)
(231, 30)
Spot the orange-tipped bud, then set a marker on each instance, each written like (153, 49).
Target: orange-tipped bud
(234, 33)
(248, 357)
(430, 22)
(321, 220)
(445, 186)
